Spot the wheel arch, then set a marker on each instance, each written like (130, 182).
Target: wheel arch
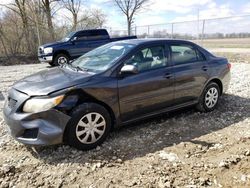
(86, 99)
(217, 81)
(61, 52)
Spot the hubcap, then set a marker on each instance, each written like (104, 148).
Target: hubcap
(211, 97)
(90, 128)
(62, 60)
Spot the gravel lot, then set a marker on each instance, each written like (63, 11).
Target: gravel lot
(179, 149)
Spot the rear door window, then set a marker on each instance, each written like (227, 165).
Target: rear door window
(185, 54)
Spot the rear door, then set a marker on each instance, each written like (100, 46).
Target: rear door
(191, 72)
(152, 88)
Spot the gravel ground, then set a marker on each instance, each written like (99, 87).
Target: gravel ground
(180, 149)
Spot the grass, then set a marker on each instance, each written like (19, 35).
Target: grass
(235, 57)
(225, 43)
(237, 43)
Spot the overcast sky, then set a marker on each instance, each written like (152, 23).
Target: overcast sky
(164, 11)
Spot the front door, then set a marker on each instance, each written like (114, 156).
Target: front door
(151, 89)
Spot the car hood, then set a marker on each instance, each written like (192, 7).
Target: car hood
(49, 81)
(53, 44)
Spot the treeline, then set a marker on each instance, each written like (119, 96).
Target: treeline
(26, 24)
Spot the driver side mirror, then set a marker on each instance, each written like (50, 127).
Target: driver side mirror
(74, 39)
(129, 69)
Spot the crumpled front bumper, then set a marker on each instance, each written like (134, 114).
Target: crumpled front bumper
(42, 128)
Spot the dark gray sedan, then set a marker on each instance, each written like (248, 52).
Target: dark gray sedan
(113, 85)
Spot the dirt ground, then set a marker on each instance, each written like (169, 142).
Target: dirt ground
(180, 149)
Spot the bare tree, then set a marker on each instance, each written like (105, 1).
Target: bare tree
(130, 8)
(2, 40)
(99, 17)
(46, 4)
(36, 16)
(19, 7)
(93, 18)
(73, 6)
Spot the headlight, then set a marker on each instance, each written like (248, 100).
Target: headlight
(48, 50)
(41, 104)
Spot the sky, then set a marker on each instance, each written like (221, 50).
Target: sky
(166, 11)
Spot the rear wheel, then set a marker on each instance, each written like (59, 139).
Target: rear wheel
(209, 98)
(89, 126)
(60, 59)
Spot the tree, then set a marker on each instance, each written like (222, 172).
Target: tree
(73, 6)
(19, 7)
(46, 4)
(130, 8)
(99, 17)
(36, 16)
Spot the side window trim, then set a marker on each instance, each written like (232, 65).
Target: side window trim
(203, 56)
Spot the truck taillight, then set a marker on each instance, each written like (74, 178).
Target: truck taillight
(229, 66)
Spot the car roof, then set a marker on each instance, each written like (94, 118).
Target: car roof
(151, 40)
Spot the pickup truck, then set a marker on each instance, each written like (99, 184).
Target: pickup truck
(74, 45)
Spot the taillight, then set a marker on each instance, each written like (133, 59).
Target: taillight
(229, 66)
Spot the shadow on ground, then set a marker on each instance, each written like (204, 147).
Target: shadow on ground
(155, 134)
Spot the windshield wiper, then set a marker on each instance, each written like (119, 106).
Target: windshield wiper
(79, 68)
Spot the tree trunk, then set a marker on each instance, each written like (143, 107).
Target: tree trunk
(129, 26)
(74, 28)
(49, 18)
(4, 47)
(23, 14)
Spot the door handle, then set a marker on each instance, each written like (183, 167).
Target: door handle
(204, 68)
(168, 75)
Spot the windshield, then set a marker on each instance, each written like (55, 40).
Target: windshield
(102, 58)
(68, 37)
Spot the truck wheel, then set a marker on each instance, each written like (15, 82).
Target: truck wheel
(51, 64)
(88, 127)
(60, 59)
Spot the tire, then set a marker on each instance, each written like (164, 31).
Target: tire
(51, 64)
(209, 99)
(79, 130)
(60, 59)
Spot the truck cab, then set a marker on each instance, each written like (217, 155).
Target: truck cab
(74, 45)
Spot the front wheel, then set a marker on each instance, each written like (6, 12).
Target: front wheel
(60, 59)
(89, 126)
(209, 98)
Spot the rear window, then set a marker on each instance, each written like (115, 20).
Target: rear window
(92, 34)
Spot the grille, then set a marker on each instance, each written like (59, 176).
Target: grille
(11, 102)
